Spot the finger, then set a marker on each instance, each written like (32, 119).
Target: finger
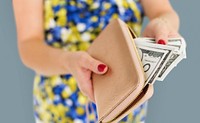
(91, 92)
(161, 38)
(88, 75)
(94, 65)
(174, 35)
(85, 86)
(87, 91)
(146, 33)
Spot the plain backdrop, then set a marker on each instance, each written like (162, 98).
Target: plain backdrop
(176, 99)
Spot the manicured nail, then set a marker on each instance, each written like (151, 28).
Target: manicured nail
(161, 42)
(101, 67)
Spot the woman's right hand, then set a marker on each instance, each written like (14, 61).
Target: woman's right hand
(80, 64)
(46, 60)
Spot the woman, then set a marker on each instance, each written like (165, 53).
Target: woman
(53, 36)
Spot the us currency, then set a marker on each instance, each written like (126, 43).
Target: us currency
(171, 57)
(174, 42)
(181, 44)
(176, 52)
(152, 60)
(176, 57)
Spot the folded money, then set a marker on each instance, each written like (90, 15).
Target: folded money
(158, 60)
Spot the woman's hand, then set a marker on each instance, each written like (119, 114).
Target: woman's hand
(161, 30)
(81, 65)
(164, 21)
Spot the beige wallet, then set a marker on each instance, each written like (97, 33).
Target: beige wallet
(122, 88)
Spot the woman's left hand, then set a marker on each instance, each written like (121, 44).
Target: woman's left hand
(161, 30)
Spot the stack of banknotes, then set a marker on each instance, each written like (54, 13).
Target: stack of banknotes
(158, 60)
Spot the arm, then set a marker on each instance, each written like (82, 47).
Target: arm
(47, 60)
(34, 53)
(164, 21)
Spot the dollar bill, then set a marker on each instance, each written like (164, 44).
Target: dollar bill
(152, 60)
(175, 58)
(168, 67)
(174, 42)
(170, 51)
(176, 52)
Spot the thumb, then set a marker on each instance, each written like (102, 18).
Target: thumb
(162, 38)
(95, 65)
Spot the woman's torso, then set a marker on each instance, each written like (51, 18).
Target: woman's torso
(72, 25)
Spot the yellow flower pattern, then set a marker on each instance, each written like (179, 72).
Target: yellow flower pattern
(72, 25)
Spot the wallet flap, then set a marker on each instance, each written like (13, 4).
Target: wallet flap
(146, 94)
(115, 47)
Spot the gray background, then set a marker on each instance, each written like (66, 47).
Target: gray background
(176, 100)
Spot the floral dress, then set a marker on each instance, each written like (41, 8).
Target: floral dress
(72, 25)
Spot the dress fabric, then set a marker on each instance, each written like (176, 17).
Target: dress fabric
(72, 25)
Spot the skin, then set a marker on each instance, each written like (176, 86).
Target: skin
(164, 21)
(48, 61)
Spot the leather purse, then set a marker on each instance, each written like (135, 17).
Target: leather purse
(122, 88)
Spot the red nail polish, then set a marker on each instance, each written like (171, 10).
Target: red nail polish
(101, 67)
(161, 42)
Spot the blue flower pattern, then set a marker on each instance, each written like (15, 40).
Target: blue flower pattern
(72, 25)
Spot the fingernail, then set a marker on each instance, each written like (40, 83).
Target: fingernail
(161, 42)
(101, 67)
